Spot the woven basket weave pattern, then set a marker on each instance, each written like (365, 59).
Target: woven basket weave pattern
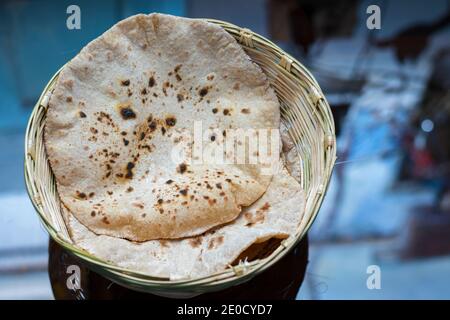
(303, 109)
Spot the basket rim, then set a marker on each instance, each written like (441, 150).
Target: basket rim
(222, 279)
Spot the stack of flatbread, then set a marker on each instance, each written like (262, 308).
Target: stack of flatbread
(121, 137)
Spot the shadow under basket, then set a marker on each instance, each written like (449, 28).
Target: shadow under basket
(305, 112)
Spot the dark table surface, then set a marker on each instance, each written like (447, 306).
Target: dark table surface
(281, 281)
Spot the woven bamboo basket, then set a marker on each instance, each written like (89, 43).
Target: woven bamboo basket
(304, 110)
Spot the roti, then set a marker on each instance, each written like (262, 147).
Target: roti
(130, 99)
(276, 215)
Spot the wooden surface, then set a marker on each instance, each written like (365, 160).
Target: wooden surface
(281, 281)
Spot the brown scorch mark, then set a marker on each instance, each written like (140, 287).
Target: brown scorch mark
(171, 121)
(129, 169)
(203, 92)
(182, 167)
(151, 82)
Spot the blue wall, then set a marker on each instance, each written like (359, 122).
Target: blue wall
(35, 43)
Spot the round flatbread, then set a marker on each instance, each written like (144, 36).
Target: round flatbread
(277, 214)
(130, 99)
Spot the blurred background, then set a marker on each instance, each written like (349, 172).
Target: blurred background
(389, 89)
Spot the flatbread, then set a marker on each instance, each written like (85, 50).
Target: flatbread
(290, 155)
(128, 100)
(277, 214)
